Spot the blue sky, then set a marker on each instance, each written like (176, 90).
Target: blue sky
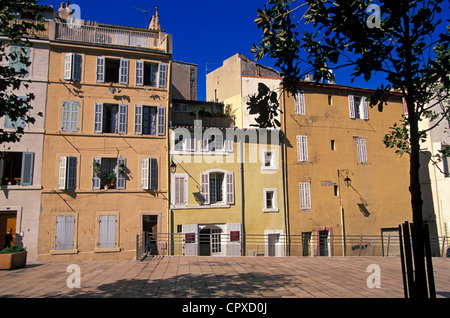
(204, 31)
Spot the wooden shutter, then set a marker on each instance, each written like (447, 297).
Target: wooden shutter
(123, 72)
(76, 67)
(230, 188)
(68, 60)
(96, 176)
(122, 119)
(365, 107)
(64, 232)
(229, 143)
(190, 143)
(62, 173)
(138, 119)
(162, 75)
(71, 173)
(305, 195)
(302, 148)
(100, 69)
(351, 105)
(362, 150)
(107, 231)
(190, 239)
(161, 121)
(139, 73)
(205, 187)
(180, 190)
(145, 173)
(70, 116)
(234, 239)
(27, 168)
(98, 118)
(120, 173)
(300, 103)
(153, 174)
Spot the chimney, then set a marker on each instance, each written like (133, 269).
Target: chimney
(332, 79)
(64, 12)
(308, 78)
(154, 23)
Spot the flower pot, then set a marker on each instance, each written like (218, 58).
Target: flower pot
(14, 260)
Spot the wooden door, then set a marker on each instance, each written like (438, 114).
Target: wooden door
(7, 221)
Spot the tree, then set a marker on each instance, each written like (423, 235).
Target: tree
(266, 106)
(17, 22)
(402, 39)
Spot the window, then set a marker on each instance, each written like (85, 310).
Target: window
(19, 122)
(270, 200)
(110, 118)
(72, 67)
(305, 195)
(268, 162)
(358, 107)
(300, 103)
(179, 189)
(302, 148)
(217, 187)
(185, 142)
(108, 173)
(70, 116)
(107, 231)
(19, 58)
(151, 74)
(67, 179)
(362, 150)
(149, 174)
(16, 168)
(333, 144)
(150, 120)
(330, 100)
(64, 232)
(110, 70)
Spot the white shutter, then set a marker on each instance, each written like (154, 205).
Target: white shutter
(123, 72)
(190, 239)
(138, 119)
(27, 168)
(62, 173)
(180, 190)
(122, 119)
(302, 148)
(300, 103)
(71, 173)
(162, 75)
(161, 121)
(233, 231)
(351, 105)
(139, 73)
(98, 118)
(96, 176)
(362, 150)
(229, 143)
(230, 188)
(190, 143)
(205, 187)
(120, 173)
(100, 69)
(305, 195)
(64, 232)
(145, 173)
(107, 231)
(68, 66)
(153, 166)
(365, 108)
(76, 67)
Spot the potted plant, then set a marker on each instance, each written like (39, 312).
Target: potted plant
(110, 180)
(13, 257)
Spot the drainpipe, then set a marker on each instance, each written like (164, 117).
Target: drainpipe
(242, 198)
(285, 187)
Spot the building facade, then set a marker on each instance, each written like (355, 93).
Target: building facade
(105, 150)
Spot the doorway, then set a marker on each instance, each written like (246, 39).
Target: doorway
(210, 241)
(150, 230)
(7, 222)
(323, 243)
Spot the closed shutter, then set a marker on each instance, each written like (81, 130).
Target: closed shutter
(190, 239)
(62, 173)
(162, 75)
(27, 168)
(98, 118)
(100, 69)
(153, 174)
(70, 116)
(68, 60)
(120, 173)
(64, 232)
(138, 119)
(96, 175)
(300, 103)
(205, 187)
(107, 231)
(351, 105)
(71, 173)
(145, 173)
(230, 188)
(305, 195)
(365, 108)
(123, 111)
(362, 150)
(302, 148)
(234, 239)
(123, 72)
(139, 73)
(76, 67)
(161, 121)
(190, 143)
(229, 143)
(180, 190)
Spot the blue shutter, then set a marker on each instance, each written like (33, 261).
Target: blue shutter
(153, 174)
(71, 173)
(100, 69)
(122, 119)
(76, 67)
(162, 75)
(123, 72)
(27, 168)
(120, 173)
(98, 118)
(139, 73)
(161, 121)
(138, 119)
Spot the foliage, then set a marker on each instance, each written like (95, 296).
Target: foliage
(13, 249)
(12, 78)
(264, 104)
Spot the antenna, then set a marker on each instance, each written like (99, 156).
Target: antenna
(146, 15)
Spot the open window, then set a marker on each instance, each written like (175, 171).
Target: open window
(150, 120)
(112, 70)
(151, 74)
(217, 187)
(110, 118)
(16, 168)
(108, 173)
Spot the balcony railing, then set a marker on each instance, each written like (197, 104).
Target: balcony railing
(111, 36)
(212, 120)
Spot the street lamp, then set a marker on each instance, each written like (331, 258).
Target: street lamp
(173, 166)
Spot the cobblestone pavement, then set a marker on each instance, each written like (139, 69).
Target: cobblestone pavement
(218, 277)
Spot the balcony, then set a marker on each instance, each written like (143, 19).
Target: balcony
(208, 119)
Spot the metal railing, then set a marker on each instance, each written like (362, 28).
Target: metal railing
(220, 244)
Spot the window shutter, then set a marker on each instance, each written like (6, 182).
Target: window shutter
(64, 232)
(365, 108)
(96, 175)
(120, 173)
(351, 104)
(162, 75)
(68, 60)
(300, 103)
(27, 168)
(362, 150)
(123, 73)
(230, 187)
(190, 143)
(204, 142)
(70, 116)
(205, 187)
(161, 121)
(122, 118)
(98, 118)
(229, 143)
(76, 67)
(139, 73)
(107, 231)
(62, 173)
(305, 195)
(302, 148)
(71, 173)
(100, 69)
(180, 190)
(153, 174)
(145, 173)
(138, 119)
